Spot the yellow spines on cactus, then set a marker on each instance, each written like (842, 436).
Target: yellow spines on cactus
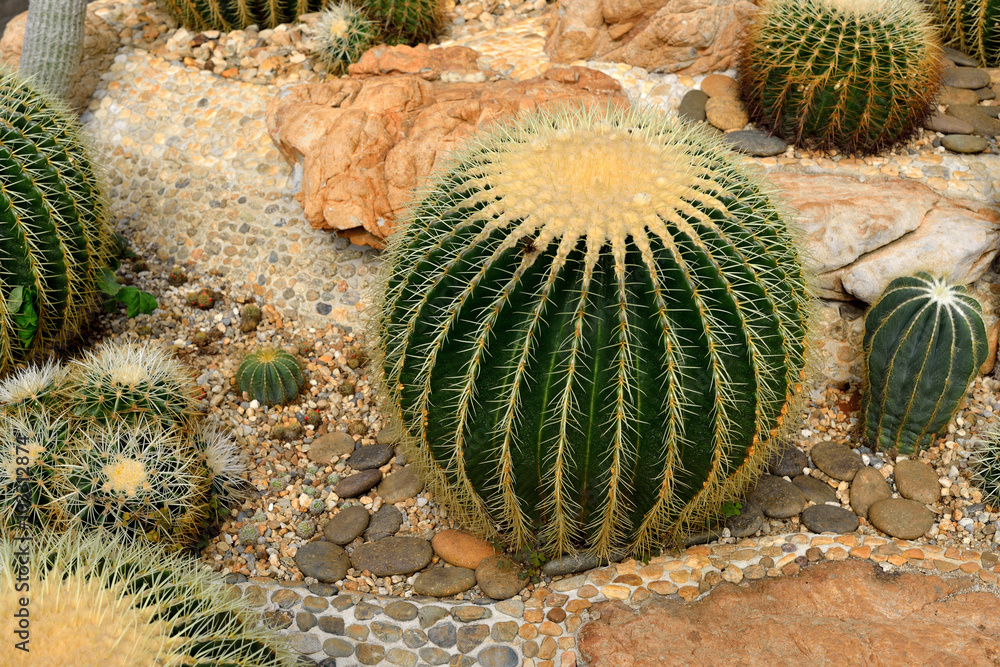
(973, 26)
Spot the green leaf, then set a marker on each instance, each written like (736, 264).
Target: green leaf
(107, 282)
(15, 299)
(731, 509)
(137, 301)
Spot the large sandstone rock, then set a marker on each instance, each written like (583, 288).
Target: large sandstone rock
(100, 43)
(838, 613)
(863, 235)
(363, 144)
(684, 36)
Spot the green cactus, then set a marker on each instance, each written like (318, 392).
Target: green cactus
(591, 326)
(407, 21)
(226, 15)
(224, 461)
(53, 43)
(250, 317)
(271, 376)
(986, 469)
(104, 601)
(924, 343)
(32, 444)
(343, 33)
(860, 75)
(32, 387)
(972, 26)
(131, 381)
(55, 235)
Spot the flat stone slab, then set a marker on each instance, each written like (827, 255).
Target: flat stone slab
(358, 483)
(500, 578)
(755, 142)
(898, 517)
(392, 555)
(837, 460)
(322, 560)
(400, 485)
(384, 523)
(329, 447)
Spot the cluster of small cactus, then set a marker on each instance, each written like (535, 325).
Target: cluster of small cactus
(270, 376)
(105, 601)
(343, 33)
(250, 317)
(859, 75)
(55, 236)
(924, 343)
(591, 327)
(972, 26)
(202, 299)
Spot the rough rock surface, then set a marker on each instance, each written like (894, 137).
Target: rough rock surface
(685, 36)
(863, 235)
(100, 43)
(364, 143)
(847, 610)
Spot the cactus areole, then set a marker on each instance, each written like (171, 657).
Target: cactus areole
(590, 326)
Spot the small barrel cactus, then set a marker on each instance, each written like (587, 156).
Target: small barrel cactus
(924, 342)
(270, 376)
(55, 235)
(249, 317)
(972, 26)
(591, 327)
(111, 602)
(407, 21)
(860, 75)
(131, 382)
(224, 461)
(33, 386)
(32, 444)
(986, 469)
(226, 15)
(343, 33)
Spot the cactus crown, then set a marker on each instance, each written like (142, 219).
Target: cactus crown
(590, 326)
(972, 26)
(859, 75)
(271, 376)
(32, 385)
(924, 343)
(343, 33)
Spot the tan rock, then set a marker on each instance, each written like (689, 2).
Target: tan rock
(726, 113)
(363, 144)
(684, 36)
(720, 85)
(815, 613)
(461, 549)
(100, 43)
(991, 353)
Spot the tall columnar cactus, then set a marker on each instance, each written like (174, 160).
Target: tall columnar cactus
(55, 236)
(271, 376)
(924, 342)
(99, 600)
(860, 75)
(591, 327)
(32, 446)
(226, 15)
(973, 26)
(407, 21)
(343, 33)
(53, 43)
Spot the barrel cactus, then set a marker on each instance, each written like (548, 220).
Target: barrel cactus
(343, 33)
(224, 463)
(55, 235)
(407, 21)
(860, 75)
(924, 342)
(591, 327)
(271, 376)
(33, 386)
(226, 15)
(986, 469)
(99, 600)
(32, 445)
(973, 26)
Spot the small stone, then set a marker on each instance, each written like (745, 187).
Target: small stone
(444, 635)
(342, 602)
(471, 636)
(461, 661)
(338, 648)
(949, 96)
(777, 498)
(789, 460)
(836, 460)
(255, 596)
(570, 565)
(285, 598)
(329, 447)
(322, 560)
(414, 638)
(315, 604)
(444, 581)
(719, 85)
(384, 523)
(433, 656)
(901, 518)
(917, 481)
(963, 143)
(386, 632)
(726, 113)
(749, 520)
(402, 657)
(965, 77)
(429, 615)
(867, 487)
(982, 123)
(756, 143)
(279, 619)
(370, 457)
(392, 555)
(946, 124)
(513, 608)
(357, 632)
(401, 610)
(391, 433)
(366, 611)
(498, 656)
(400, 485)
(815, 490)
(305, 621)
(499, 577)
(461, 549)
(358, 483)
(829, 518)
(304, 643)
(504, 631)
(333, 625)
(346, 525)
(959, 58)
(370, 654)
(692, 106)
(467, 613)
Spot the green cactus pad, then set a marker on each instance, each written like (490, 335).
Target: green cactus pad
(271, 376)
(924, 343)
(860, 75)
(343, 33)
(972, 26)
(590, 327)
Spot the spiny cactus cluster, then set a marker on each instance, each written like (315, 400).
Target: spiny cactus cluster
(972, 26)
(99, 600)
(924, 343)
(860, 75)
(986, 469)
(271, 376)
(591, 328)
(55, 235)
(343, 33)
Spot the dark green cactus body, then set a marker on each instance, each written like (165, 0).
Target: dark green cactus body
(591, 326)
(54, 231)
(924, 342)
(856, 74)
(270, 376)
(406, 21)
(226, 15)
(972, 26)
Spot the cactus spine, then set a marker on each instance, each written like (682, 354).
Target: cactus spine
(271, 376)
(226, 15)
(53, 43)
(986, 467)
(972, 26)
(407, 21)
(32, 446)
(924, 342)
(32, 387)
(860, 75)
(590, 328)
(55, 237)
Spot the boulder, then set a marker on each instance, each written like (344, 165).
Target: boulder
(100, 43)
(362, 144)
(681, 36)
(863, 235)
